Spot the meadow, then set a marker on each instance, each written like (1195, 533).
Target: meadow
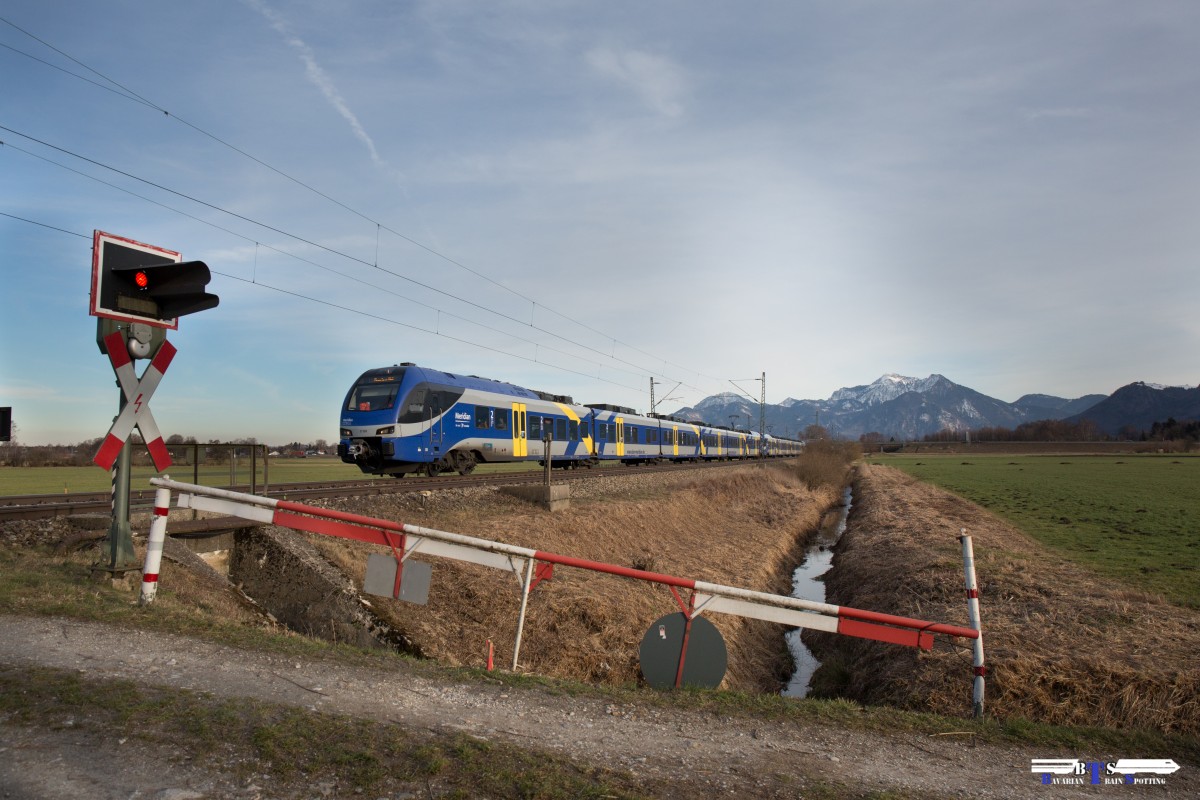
(60, 480)
(1134, 518)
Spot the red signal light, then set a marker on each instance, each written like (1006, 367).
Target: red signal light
(141, 279)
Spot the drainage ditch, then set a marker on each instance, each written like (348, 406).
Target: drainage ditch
(808, 584)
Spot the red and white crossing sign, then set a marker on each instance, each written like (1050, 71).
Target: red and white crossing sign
(137, 403)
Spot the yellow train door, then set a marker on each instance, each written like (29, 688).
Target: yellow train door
(520, 438)
(620, 437)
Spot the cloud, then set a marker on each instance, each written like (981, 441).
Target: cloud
(656, 80)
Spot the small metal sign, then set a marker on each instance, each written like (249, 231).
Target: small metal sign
(704, 660)
(414, 578)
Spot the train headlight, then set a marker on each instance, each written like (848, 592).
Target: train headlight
(347, 433)
(388, 431)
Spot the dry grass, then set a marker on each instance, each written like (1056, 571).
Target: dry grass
(1062, 645)
(826, 462)
(744, 526)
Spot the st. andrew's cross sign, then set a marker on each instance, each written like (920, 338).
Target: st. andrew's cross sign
(136, 411)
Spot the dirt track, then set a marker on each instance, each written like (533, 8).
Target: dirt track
(672, 752)
(676, 753)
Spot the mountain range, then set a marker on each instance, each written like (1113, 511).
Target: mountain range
(911, 408)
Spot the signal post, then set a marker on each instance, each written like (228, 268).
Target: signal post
(138, 293)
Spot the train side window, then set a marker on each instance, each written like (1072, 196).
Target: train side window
(535, 428)
(482, 418)
(601, 431)
(574, 430)
(560, 429)
(501, 419)
(632, 436)
(612, 433)
(426, 401)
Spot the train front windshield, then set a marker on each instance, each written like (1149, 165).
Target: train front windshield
(375, 391)
(372, 397)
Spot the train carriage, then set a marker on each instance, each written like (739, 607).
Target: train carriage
(405, 418)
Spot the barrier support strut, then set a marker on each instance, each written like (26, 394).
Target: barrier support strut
(526, 588)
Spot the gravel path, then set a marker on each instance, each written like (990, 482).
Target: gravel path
(699, 751)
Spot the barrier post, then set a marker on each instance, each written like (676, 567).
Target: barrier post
(154, 546)
(525, 588)
(980, 670)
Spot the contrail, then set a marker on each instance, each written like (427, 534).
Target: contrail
(317, 76)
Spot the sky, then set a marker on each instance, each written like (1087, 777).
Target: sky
(582, 197)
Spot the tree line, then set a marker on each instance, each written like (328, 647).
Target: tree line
(183, 449)
(1056, 430)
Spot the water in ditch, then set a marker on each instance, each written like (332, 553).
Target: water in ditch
(807, 585)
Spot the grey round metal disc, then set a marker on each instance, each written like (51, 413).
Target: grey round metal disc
(704, 664)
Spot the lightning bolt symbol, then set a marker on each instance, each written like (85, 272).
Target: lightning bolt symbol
(137, 404)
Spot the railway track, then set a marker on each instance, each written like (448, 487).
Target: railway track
(46, 506)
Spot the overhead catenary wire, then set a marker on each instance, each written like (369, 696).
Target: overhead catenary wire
(641, 370)
(361, 313)
(136, 97)
(310, 262)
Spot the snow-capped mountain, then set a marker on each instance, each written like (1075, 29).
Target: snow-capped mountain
(894, 406)
(886, 388)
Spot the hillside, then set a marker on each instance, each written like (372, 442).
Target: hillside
(1139, 405)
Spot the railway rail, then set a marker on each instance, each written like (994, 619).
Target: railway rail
(46, 506)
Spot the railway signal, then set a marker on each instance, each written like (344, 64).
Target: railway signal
(140, 283)
(138, 292)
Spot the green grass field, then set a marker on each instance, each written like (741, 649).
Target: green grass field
(58, 480)
(1132, 518)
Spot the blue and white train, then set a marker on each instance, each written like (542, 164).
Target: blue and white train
(405, 418)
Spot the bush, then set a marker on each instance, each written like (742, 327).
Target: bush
(825, 462)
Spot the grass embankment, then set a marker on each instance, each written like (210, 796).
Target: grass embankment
(1064, 643)
(1132, 518)
(741, 526)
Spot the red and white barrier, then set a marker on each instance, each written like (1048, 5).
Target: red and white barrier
(406, 539)
(154, 546)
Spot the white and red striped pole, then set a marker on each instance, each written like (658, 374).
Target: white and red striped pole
(980, 670)
(154, 546)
